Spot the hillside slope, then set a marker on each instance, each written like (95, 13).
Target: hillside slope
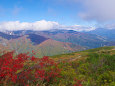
(51, 47)
(43, 46)
(90, 40)
(79, 38)
(83, 54)
(94, 67)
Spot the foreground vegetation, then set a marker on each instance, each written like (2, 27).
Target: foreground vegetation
(95, 67)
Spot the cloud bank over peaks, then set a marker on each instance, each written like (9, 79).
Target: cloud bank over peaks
(40, 26)
(79, 28)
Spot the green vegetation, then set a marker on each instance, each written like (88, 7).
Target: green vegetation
(97, 70)
(101, 48)
(95, 67)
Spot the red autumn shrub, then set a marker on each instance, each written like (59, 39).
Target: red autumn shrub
(78, 82)
(24, 70)
(9, 66)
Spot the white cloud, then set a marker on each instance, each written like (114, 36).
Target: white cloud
(96, 10)
(110, 26)
(78, 28)
(99, 10)
(39, 26)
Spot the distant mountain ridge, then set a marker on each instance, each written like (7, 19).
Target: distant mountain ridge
(27, 42)
(52, 42)
(79, 38)
(109, 34)
(8, 36)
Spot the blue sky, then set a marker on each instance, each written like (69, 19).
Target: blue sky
(34, 10)
(66, 12)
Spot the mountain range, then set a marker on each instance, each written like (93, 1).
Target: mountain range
(54, 42)
(109, 34)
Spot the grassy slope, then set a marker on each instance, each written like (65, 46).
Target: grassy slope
(94, 67)
(51, 47)
(83, 54)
